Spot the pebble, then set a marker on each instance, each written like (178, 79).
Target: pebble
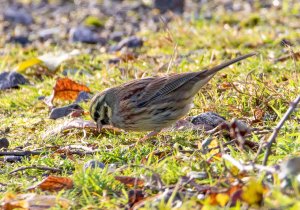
(11, 80)
(130, 42)
(4, 143)
(93, 164)
(64, 111)
(86, 35)
(209, 119)
(18, 15)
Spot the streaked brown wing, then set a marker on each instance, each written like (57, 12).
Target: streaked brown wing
(139, 93)
(163, 86)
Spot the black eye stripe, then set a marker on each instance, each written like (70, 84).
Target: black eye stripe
(105, 119)
(96, 111)
(96, 116)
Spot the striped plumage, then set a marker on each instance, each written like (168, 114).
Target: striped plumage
(151, 104)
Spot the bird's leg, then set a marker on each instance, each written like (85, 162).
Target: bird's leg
(148, 136)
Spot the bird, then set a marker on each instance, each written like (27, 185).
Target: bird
(154, 103)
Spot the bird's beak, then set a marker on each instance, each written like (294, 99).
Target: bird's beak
(99, 126)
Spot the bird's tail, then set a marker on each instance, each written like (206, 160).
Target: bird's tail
(217, 68)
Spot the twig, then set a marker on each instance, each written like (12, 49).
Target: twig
(21, 153)
(233, 161)
(76, 151)
(224, 163)
(45, 168)
(2, 184)
(248, 167)
(272, 138)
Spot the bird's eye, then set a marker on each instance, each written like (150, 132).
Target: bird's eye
(104, 121)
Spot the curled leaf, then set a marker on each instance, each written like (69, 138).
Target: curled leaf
(53, 183)
(130, 181)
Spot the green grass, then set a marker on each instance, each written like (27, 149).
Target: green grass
(261, 84)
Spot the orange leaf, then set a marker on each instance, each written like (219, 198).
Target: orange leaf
(130, 181)
(128, 56)
(225, 86)
(54, 183)
(68, 89)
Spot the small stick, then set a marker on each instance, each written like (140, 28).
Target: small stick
(272, 138)
(21, 153)
(86, 151)
(248, 167)
(45, 168)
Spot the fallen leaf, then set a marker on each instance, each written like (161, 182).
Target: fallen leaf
(127, 56)
(130, 181)
(225, 86)
(253, 192)
(258, 114)
(93, 21)
(53, 183)
(295, 56)
(68, 89)
(224, 196)
(33, 201)
(135, 196)
(80, 124)
(50, 60)
(222, 199)
(28, 63)
(153, 202)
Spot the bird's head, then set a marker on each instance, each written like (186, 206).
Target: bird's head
(100, 109)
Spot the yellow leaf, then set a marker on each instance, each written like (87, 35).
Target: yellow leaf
(222, 199)
(33, 201)
(49, 60)
(28, 63)
(234, 170)
(253, 192)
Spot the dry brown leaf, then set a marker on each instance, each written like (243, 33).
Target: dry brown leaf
(295, 56)
(32, 201)
(68, 89)
(130, 181)
(127, 56)
(233, 194)
(134, 196)
(225, 86)
(53, 183)
(258, 115)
